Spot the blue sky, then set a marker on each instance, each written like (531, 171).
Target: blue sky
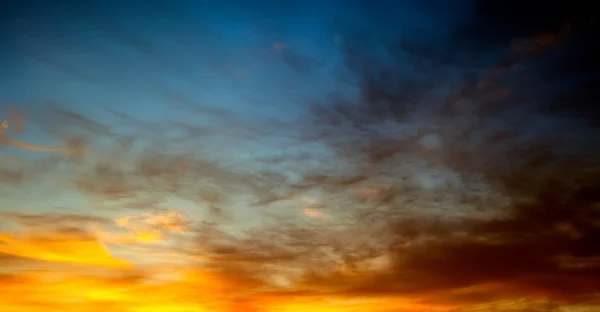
(256, 65)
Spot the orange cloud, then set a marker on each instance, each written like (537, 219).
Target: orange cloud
(314, 213)
(18, 122)
(168, 220)
(59, 248)
(149, 228)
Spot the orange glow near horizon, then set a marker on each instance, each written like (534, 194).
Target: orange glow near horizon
(198, 291)
(79, 273)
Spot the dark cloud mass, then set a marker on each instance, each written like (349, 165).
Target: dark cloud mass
(544, 161)
(462, 169)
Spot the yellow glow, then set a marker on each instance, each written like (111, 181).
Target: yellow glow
(142, 288)
(196, 291)
(60, 249)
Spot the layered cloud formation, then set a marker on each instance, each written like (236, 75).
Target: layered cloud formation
(423, 157)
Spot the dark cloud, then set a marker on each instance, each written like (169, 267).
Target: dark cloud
(54, 219)
(543, 161)
(574, 62)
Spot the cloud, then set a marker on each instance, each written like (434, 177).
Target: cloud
(314, 213)
(446, 183)
(70, 247)
(54, 219)
(505, 152)
(58, 238)
(168, 220)
(149, 227)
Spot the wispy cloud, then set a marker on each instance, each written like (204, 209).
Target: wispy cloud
(432, 182)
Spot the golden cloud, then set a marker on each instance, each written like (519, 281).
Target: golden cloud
(59, 248)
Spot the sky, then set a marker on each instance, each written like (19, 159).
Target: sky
(299, 156)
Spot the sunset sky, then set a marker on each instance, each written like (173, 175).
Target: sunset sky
(327, 156)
